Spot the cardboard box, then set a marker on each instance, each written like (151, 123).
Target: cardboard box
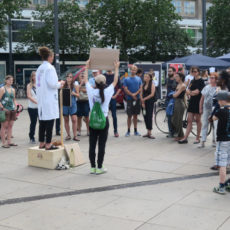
(45, 159)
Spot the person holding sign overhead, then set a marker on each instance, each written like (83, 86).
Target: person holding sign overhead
(47, 97)
(99, 96)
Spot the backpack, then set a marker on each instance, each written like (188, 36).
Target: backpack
(97, 118)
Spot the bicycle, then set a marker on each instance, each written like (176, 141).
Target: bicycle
(161, 121)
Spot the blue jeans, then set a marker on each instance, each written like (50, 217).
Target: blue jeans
(113, 108)
(33, 113)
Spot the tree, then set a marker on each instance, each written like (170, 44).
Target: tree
(148, 29)
(9, 8)
(75, 35)
(218, 24)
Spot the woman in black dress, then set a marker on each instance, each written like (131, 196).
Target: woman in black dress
(194, 92)
(147, 100)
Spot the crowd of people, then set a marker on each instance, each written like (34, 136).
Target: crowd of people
(204, 95)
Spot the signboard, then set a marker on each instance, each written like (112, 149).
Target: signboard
(156, 68)
(176, 66)
(103, 59)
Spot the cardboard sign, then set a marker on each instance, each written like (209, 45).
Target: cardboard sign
(103, 59)
(66, 97)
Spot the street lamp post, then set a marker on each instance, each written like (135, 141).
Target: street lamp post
(10, 70)
(56, 35)
(204, 27)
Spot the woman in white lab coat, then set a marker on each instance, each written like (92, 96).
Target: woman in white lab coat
(47, 97)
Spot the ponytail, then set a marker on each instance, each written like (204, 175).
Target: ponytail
(101, 88)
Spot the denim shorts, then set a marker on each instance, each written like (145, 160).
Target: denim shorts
(222, 153)
(83, 108)
(67, 110)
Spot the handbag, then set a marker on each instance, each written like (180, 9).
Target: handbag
(2, 116)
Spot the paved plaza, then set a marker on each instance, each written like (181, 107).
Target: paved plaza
(150, 185)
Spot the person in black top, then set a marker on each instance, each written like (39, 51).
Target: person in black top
(223, 139)
(171, 86)
(179, 107)
(147, 101)
(194, 92)
(113, 103)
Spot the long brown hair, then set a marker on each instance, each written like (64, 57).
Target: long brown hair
(150, 82)
(72, 82)
(31, 78)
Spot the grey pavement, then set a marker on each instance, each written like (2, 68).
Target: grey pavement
(150, 184)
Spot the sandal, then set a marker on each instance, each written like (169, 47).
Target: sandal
(76, 139)
(185, 141)
(42, 147)
(5, 146)
(146, 135)
(52, 147)
(151, 137)
(68, 138)
(12, 144)
(196, 142)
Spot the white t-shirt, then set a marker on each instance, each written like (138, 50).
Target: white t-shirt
(189, 78)
(76, 84)
(94, 96)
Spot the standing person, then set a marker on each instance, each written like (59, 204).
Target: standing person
(82, 105)
(171, 86)
(102, 95)
(32, 106)
(71, 110)
(8, 104)
(113, 103)
(132, 87)
(223, 138)
(92, 80)
(147, 101)
(47, 97)
(179, 107)
(140, 73)
(194, 91)
(189, 78)
(206, 104)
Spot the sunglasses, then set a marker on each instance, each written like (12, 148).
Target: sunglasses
(212, 78)
(194, 71)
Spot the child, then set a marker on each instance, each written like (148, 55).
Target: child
(223, 140)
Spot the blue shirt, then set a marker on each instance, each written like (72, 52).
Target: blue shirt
(133, 84)
(92, 82)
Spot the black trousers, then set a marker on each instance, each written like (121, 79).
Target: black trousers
(33, 113)
(45, 130)
(148, 117)
(100, 136)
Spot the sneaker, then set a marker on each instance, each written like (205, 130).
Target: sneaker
(127, 134)
(137, 134)
(101, 171)
(92, 170)
(116, 134)
(201, 145)
(32, 141)
(79, 134)
(219, 190)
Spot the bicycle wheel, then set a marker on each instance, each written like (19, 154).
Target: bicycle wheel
(161, 121)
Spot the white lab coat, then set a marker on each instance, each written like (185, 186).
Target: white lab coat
(47, 92)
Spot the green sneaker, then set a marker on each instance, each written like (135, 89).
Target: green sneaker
(92, 170)
(101, 171)
(219, 190)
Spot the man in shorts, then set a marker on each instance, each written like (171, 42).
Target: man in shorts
(132, 87)
(223, 140)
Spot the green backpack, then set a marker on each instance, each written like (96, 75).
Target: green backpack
(97, 118)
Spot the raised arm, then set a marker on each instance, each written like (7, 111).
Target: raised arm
(116, 74)
(86, 72)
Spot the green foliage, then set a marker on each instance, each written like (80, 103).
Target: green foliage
(146, 29)
(75, 36)
(9, 8)
(218, 24)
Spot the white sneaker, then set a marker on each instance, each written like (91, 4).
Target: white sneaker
(201, 145)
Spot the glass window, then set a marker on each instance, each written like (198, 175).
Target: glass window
(43, 2)
(189, 8)
(35, 2)
(19, 25)
(178, 5)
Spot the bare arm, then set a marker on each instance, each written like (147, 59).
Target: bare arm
(15, 103)
(29, 96)
(179, 91)
(201, 103)
(86, 72)
(115, 80)
(2, 91)
(214, 118)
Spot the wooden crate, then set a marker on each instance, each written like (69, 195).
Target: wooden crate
(45, 159)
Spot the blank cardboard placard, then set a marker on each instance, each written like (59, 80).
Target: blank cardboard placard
(67, 99)
(74, 154)
(103, 58)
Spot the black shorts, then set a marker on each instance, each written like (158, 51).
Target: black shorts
(133, 107)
